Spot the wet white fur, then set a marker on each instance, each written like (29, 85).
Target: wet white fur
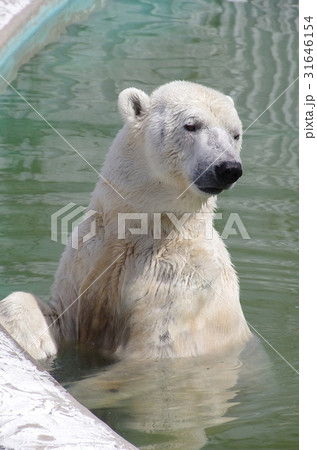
(143, 297)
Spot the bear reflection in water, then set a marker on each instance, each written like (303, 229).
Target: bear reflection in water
(173, 403)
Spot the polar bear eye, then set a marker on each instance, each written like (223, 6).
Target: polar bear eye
(190, 127)
(236, 136)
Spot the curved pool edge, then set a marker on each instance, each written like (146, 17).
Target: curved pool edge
(28, 29)
(37, 412)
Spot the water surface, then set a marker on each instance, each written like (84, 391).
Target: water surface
(245, 49)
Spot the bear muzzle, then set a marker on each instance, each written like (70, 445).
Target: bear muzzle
(218, 177)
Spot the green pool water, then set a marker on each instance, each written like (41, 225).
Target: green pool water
(247, 50)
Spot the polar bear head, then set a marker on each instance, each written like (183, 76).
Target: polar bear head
(190, 134)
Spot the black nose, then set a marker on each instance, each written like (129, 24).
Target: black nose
(228, 172)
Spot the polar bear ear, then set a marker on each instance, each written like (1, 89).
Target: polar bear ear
(133, 103)
(230, 98)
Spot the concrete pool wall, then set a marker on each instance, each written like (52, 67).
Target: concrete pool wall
(35, 410)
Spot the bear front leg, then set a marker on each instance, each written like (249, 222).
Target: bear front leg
(29, 322)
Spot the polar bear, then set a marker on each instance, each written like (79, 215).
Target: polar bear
(161, 290)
